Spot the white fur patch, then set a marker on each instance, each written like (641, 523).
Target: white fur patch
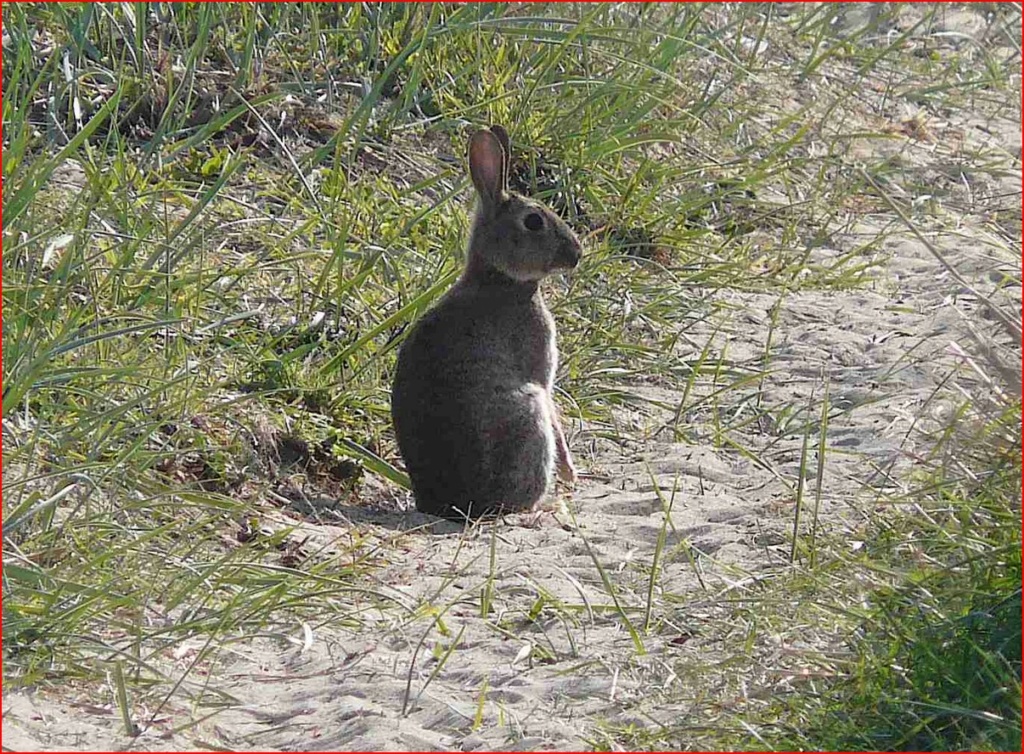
(552, 350)
(539, 395)
(528, 276)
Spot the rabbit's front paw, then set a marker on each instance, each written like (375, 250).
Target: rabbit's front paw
(566, 470)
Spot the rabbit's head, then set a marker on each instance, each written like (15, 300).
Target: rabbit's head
(513, 234)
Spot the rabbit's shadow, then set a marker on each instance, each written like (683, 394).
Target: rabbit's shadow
(333, 512)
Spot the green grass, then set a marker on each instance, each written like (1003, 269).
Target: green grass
(219, 221)
(934, 603)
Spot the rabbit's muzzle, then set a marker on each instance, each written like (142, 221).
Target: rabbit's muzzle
(569, 254)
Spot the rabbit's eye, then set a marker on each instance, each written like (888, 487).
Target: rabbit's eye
(533, 221)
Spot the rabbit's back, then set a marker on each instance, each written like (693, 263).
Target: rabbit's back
(469, 401)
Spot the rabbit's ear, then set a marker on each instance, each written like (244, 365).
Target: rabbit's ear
(487, 167)
(506, 147)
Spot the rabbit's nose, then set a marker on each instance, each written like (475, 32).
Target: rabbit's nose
(571, 253)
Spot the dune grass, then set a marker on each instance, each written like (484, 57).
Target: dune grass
(219, 220)
(933, 602)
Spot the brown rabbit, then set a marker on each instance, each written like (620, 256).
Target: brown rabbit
(472, 397)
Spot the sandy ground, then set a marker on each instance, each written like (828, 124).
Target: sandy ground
(552, 682)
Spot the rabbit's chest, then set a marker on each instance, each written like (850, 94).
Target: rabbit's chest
(539, 351)
(528, 340)
(489, 336)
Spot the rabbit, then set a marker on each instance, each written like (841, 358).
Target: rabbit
(472, 401)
